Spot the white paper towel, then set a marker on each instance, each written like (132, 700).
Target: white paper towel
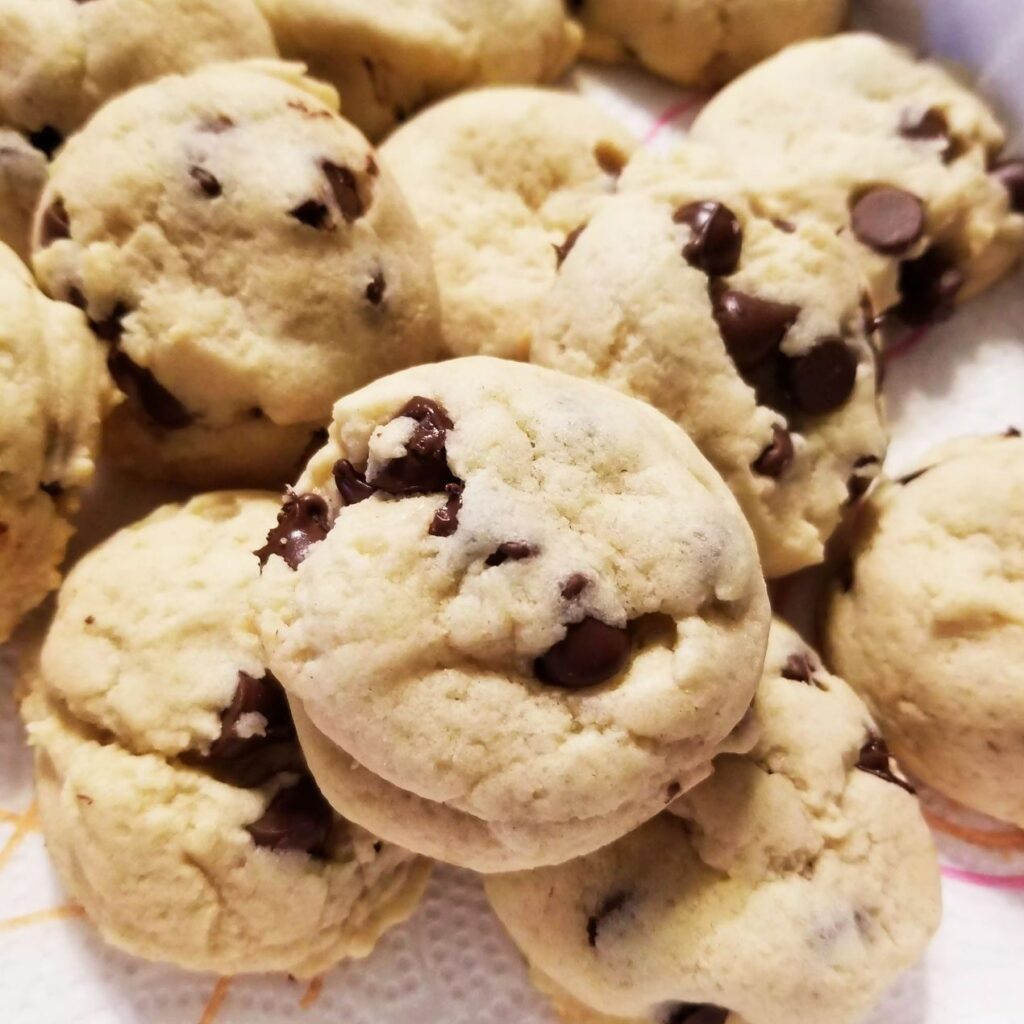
(452, 964)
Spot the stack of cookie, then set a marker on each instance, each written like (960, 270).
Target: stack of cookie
(547, 410)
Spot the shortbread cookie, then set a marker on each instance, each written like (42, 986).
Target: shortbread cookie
(497, 179)
(174, 799)
(927, 620)
(790, 888)
(247, 260)
(391, 57)
(521, 609)
(53, 394)
(895, 153)
(700, 42)
(748, 332)
(60, 60)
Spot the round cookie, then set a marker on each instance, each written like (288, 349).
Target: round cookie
(61, 60)
(497, 178)
(559, 617)
(928, 622)
(700, 42)
(389, 58)
(748, 332)
(246, 259)
(174, 799)
(53, 394)
(791, 887)
(895, 153)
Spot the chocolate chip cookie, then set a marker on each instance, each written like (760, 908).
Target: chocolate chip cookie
(799, 876)
(497, 178)
(390, 58)
(61, 60)
(895, 153)
(53, 394)
(747, 331)
(175, 801)
(926, 620)
(245, 258)
(700, 42)
(516, 612)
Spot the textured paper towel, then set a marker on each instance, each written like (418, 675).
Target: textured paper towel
(451, 964)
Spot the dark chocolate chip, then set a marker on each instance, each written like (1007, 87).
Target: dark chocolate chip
(217, 125)
(930, 125)
(610, 158)
(929, 287)
(75, 297)
(672, 791)
(47, 140)
(611, 905)
(298, 818)
(1011, 432)
(786, 226)
(264, 697)
(377, 846)
(822, 379)
(1010, 174)
(446, 518)
(142, 388)
(575, 585)
(301, 523)
(563, 250)
(52, 489)
(778, 456)
(510, 551)
(888, 220)
(859, 482)
(313, 213)
(590, 653)
(346, 190)
(696, 1013)
(716, 239)
(207, 183)
(909, 478)
(371, 166)
(351, 484)
(424, 467)
(376, 288)
(750, 327)
(111, 327)
(55, 224)
(799, 667)
(876, 760)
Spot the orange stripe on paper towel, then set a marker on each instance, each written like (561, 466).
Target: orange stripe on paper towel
(69, 910)
(312, 993)
(216, 1001)
(28, 822)
(989, 838)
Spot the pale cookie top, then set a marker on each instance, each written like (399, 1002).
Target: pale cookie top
(700, 42)
(896, 152)
(240, 249)
(390, 57)
(747, 331)
(514, 593)
(927, 620)
(497, 178)
(798, 876)
(23, 172)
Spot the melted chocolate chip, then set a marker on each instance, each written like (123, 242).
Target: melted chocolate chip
(697, 1013)
(111, 327)
(590, 653)
(609, 158)
(778, 456)
(574, 586)
(929, 125)
(888, 220)
(716, 238)
(313, 213)
(929, 287)
(510, 551)
(142, 388)
(446, 518)
(563, 250)
(351, 484)
(55, 224)
(301, 523)
(47, 140)
(346, 190)
(751, 327)
(376, 288)
(263, 697)
(298, 818)
(207, 183)
(1010, 174)
(876, 760)
(611, 905)
(799, 667)
(822, 379)
(424, 467)
(859, 482)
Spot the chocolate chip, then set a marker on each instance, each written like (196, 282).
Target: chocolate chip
(929, 287)
(563, 250)
(574, 586)
(142, 388)
(611, 905)
(90, 620)
(301, 523)
(822, 379)
(786, 226)
(371, 166)
(750, 327)
(777, 457)
(876, 760)
(859, 482)
(47, 140)
(1011, 432)
(264, 697)
(929, 125)
(672, 791)
(716, 238)
(55, 224)
(376, 288)
(346, 190)
(351, 484)
(424, 467)
(111, 328)
(312, 213)
(888, 220)
(696, 1013)
(1010, 174)
(609, 158)
(209, 185)
(75, 298)
(799, 667)
(298, 818)
(909, 478)
(217, 125)
(590, 653)
(377, 846)
(446, 518)
(510, 551)
(52, 489)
